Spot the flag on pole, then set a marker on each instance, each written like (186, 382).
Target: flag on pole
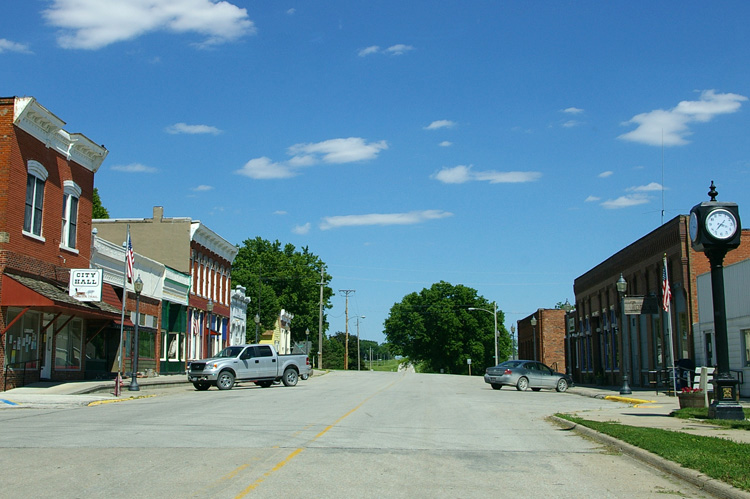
(129, 258)
(665, 289)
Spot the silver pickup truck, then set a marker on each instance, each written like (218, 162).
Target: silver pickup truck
(260, 364)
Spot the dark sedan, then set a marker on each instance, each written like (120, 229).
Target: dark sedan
(524, 374)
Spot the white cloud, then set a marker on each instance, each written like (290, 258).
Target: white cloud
(571, 123)
(625, 201)
(93, 24)
(606, 174)
(445, 143)
(279, 212)
(440, 124)
(653, 186)
(671, 127)
(572, 110)
(291, 12)
(134, 168)
(301, 229)
(591, 199)
(409, 218)
(203, 188)
(10, 46)
(265, 169)
(335, 151)
(399, 49)
(461, 174)
(373, 49)
(183, 128)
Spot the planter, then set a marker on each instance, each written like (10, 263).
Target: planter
(692, 400)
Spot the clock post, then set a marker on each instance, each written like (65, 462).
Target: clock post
(715, 230)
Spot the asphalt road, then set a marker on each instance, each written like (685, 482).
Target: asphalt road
(367, 434)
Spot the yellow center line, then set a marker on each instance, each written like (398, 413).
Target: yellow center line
(294, 453)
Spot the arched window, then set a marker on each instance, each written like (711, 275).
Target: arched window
(35, 179)
(71, 194)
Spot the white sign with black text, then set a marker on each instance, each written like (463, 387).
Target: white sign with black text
(85, 284)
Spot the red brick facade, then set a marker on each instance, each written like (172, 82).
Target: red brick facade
(549, 340)
(31, 135)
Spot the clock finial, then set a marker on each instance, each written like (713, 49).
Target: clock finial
(713, 192)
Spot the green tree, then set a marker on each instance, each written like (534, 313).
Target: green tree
(277, 277)
(97, 210)
(436, 328)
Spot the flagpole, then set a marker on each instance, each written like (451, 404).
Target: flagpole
(668, 309)
(122, 317)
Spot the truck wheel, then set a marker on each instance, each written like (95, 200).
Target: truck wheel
(290, 377)
(201, 386)
(225, 381)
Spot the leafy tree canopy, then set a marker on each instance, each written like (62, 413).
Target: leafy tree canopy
(277, 277)
(436, 328)
(98, 211)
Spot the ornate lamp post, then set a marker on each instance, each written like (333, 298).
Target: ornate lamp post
(622, 287)
(307, 341)
(513, 342)
(715, 230)
(138, 287)
(533, 333)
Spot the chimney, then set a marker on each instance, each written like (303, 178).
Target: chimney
(158, 213)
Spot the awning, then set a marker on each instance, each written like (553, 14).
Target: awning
(109, 296)
(23, 291)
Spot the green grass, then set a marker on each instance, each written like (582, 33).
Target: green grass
(702, 414)
(382, 365)
(715, 457)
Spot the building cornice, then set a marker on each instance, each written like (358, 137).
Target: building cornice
(40, 123)
(212, 241)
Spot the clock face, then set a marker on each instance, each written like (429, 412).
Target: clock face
(693, 226)
(721, 224)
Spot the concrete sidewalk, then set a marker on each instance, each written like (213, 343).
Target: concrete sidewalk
(649, 409)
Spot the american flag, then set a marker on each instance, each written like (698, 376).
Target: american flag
(129, 259)
(665, 290)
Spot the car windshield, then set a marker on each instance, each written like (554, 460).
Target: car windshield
(510, 363)
(229, 352)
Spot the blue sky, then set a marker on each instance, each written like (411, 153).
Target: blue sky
(507, 146)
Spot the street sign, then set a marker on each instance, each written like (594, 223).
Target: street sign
(641, 305)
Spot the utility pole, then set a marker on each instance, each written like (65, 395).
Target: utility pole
(320, 318)
(346, 349)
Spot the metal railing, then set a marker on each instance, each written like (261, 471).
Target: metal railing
(25, 364)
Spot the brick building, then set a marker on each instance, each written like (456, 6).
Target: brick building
(191, 248)
(46, 189)
(545, 340)
(602, 332)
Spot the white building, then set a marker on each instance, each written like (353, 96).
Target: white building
(736, 279)
(238, 312)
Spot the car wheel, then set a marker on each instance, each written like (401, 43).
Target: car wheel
(496, 386)
(536, 389)
(562, 385)
(523, 384)
(304, 376)
(201, 386)
(290, 377)
(225, 381)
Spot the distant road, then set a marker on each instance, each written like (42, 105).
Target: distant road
(340, 435)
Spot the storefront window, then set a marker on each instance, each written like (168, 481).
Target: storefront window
(22, 341)
(174, 346)
(68, 343)
(746, 344)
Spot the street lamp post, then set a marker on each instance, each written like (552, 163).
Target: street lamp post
(358, 318)
(256, 319)
(307, 341)
(533, 333)
(513, 342)
(209, 309)
(138, 287)
(494, 313)
(622, 286)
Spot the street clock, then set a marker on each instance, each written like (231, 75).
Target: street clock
(714, 225)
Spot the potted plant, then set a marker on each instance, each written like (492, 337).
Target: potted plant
(691, 397)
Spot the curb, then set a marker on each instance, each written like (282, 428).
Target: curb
(710, 485)
(628, 400)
